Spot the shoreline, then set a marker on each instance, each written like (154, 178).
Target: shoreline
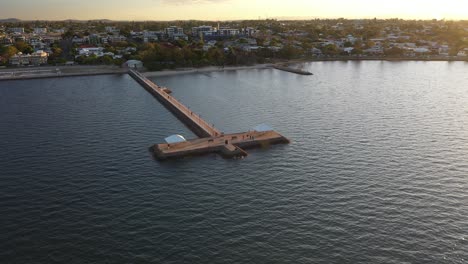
(40, 72)
(383, 59)
(208, 69)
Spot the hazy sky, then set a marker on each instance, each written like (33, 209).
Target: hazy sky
(230, 9)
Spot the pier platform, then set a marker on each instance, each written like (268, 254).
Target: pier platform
(228, 146)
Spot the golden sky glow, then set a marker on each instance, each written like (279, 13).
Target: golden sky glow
(231, 9)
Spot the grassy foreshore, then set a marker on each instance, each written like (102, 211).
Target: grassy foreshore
(25, 73)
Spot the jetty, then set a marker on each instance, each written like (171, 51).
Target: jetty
(211, 139)
(293, 70)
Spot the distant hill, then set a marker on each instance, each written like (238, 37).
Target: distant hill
(10, 20)
(81, 20)
(15, 20)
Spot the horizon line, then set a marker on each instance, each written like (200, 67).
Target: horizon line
(285, 18)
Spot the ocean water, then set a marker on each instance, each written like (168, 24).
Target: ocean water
(377, 170)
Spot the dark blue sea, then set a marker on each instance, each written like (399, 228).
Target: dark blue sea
(377, 171)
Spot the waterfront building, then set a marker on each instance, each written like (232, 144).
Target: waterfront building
(6, 41)
(94, 39)
(115, 38)
(51, 38)
(350, 38)
(209, 32)
(36, 43)
(37, 58)
(250, 48)
(175, 33)
(375, 50)
(40, 31)
(249, 31)
(198, 31)
(112, 30)
(178, 36)
(171, 31)
(444, 50)
(150, 36)
(78, 40)
(19, 30)
(348, 50)
(421, 50)
(87, 51)
(316, 52)
(229, 32)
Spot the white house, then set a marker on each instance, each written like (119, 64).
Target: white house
(98, 51)
(316, 52)
(376, 50)
(421, 50)
(348, 50)
(444, 50)
(462, 53)
(170, 31)
(37, 58)
(40, 30)
(16, 30)
(197, 31)
(113, 30)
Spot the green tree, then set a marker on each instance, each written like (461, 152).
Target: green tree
(348, 44)
(394, 51)
(9, 52)
(216, 56)
(330, 50)
(356, 51)
(289, 52)
(24, 47)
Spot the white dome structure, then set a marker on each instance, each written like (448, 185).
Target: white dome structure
(133, 64)
(175, 139)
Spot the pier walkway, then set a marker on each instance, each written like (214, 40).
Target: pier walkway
(211, 139)
(194, 121)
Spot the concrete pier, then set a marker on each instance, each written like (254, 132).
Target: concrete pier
(211, 139)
